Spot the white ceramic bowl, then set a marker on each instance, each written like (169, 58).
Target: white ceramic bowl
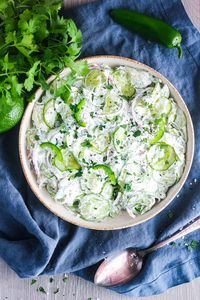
(123, 220)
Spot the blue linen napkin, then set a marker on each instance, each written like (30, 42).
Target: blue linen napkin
(33, 241)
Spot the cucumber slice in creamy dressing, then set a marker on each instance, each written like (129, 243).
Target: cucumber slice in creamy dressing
(49, 113)
(95, 78)
(93, 207)
(161, 107)
(117, 143)
(140, 203)
(100, 143)
(120, 136)
(124, 84)
(161, 156)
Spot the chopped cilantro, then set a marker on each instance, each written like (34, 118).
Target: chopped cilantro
(86, 143)
(75, 135)
(36, 42)
(127, 98)
(127, 187)
(65, 279)
(42, 290)
(56, 291)
(79, 173)
(63, 92)
(170, 214)
(109, 87)
(138, 207)
(33, 281)
(101, 127)
(137, 133)
(193, 245)
(173, 244)
(51, 279)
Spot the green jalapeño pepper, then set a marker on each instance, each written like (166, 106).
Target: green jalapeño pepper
(150, 28)
(63, 159)
(77, 112)
(108, 171)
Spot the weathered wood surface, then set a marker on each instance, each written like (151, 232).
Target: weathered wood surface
(14, 288)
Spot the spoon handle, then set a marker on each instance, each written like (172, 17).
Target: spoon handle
(190, 227)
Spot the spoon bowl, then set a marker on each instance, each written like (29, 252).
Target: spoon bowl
(119, 268)
(123, 266)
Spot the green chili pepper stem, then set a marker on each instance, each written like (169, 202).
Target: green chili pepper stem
(150, 28)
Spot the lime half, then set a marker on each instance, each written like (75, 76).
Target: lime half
(10, 115)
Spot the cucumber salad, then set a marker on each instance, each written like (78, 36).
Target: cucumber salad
(112, 140)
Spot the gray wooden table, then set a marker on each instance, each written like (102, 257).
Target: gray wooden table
(14, 288)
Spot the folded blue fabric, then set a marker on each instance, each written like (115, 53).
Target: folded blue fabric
(33, 241)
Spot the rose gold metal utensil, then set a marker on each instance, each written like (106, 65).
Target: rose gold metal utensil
(120, 268)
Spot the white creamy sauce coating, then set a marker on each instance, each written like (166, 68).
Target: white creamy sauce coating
(118, 141)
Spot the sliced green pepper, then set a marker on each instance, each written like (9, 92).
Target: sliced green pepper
(150, 28)
(108, 171)
(63, 160)
(160, 132)
(58, 159)
(77, 109)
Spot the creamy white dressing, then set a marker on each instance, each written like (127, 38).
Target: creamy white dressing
(118, 142)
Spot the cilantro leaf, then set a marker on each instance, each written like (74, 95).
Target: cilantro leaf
(28, 84)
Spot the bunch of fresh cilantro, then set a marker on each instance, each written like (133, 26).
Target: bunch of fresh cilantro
(35, 42)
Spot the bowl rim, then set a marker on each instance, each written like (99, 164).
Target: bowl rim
(93, 225)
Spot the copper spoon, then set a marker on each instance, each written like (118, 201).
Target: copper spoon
(120, 268)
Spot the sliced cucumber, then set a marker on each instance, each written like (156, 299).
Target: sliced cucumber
(38, 118)
(139, 204)
(131, 175)
(92, 181)
(161, 156)
(156, 91)
(123, 83)
(93, 207)
(100, 143)
(180, 119)
(68, 190)
(120, 138)
(107, 190)
(83, 154)
(113, 104)
(49, 113)
(166, 178)
(51, 187)
(161, 107)
(176, 139)
(141, 110)
(95, 78)
(165, 92)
